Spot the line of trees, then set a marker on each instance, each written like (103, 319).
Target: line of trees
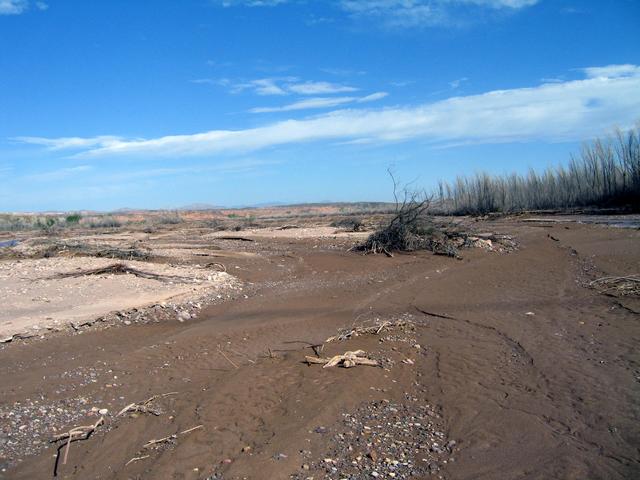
(606, 173)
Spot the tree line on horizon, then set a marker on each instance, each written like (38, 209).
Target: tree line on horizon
(605, 173)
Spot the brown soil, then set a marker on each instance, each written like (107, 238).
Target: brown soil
(515, 367)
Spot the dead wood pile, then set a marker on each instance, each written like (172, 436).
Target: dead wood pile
(374, 329)
(120, 269)
(618, 286)
(346, 360)
(78, 249)
(147, 406)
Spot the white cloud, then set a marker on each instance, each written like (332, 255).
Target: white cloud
(250, 3)
(42, 6)
(59, 174)
(307, 103)
(569, 110)
(612, 71)
(64, 143)
(13, 7)
(278, 86)
(319, 102)
(457, 82)
(420, 13)
(373, 97)
(319, 88)
(263, 86)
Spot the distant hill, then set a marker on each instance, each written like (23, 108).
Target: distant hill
(199, 206)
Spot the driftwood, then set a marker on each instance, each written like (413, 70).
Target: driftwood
(76, 433)
(146, 406)
(169, 438)
(623, 286)
(219, 266)
(65, 249)
(119, 269)
(346, 360)
(287, 227)
(227, 358)
(375, 329)
(135, 459)
(153, 442)
(233, 237)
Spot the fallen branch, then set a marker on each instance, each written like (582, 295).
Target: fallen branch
(375, 329)
(628, 285)
(76, 433)
(153, 442)
(189, 430)
(242, 355)
(346, 360)
(145, 407)
(169, 438)
(118, 269)
(227, 358)
(233, 237)
(217, 265)
(135, 459)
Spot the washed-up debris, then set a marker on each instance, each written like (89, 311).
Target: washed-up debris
(48, 249)
(620, 286)
(136, 459)
(375, 329)
(76, 433)
(287, 227)
(169, 439)
(121, 269)
(234, 237)
(146, 406)
(346, 360)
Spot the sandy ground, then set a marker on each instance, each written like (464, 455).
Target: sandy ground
(34, 300)
(513, 368)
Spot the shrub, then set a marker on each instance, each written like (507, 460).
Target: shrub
(73, 219)
(352, 224)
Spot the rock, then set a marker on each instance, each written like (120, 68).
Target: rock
(103, 411)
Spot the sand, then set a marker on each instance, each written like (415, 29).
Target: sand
(516, 370)
(36, 302)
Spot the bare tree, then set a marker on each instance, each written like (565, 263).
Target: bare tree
(606, 173)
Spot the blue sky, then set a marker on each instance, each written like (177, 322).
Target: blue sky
(120, 103)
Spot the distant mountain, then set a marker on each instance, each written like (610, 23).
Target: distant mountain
(199, 206)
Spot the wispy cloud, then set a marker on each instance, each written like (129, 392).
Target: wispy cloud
(403, 14)
(569, 110)
(343, 72)
(455, 84)
(13, 7)
(278, 86)
(250, 3)
(64, 143)
(319, 88)
(613, 71)
(59, 174)
(18, 7)
(320, 102)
